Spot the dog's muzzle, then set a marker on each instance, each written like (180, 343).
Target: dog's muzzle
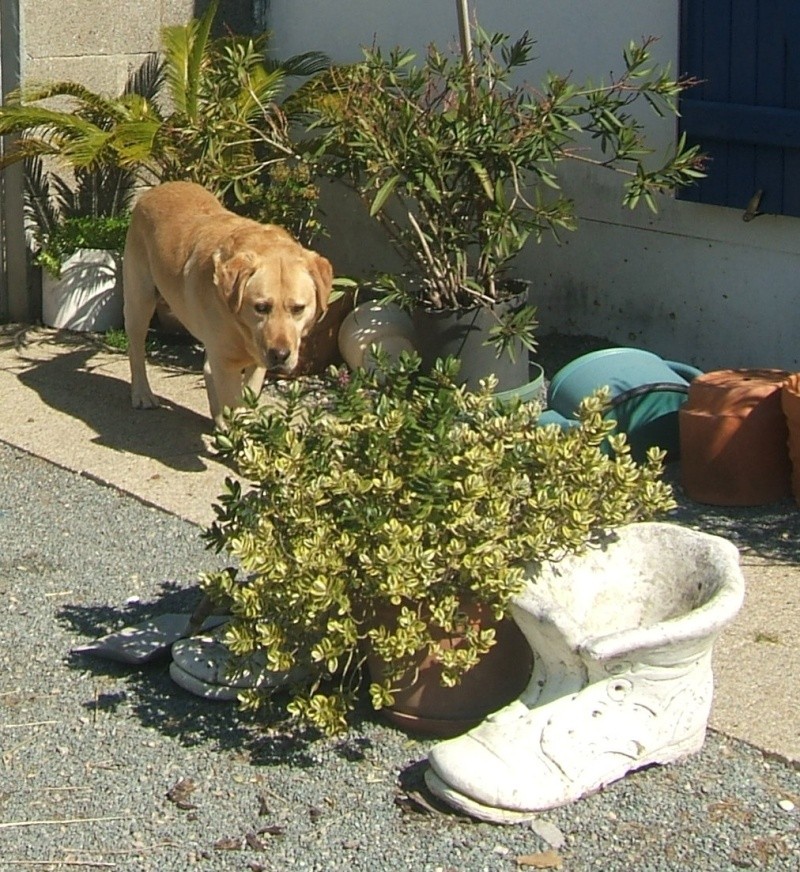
(279, 359)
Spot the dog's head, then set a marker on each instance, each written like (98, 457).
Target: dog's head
(276, 294)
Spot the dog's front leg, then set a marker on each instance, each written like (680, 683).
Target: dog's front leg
(224, 388)
(254, 378)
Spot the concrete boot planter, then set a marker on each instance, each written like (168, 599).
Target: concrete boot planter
(622, 640)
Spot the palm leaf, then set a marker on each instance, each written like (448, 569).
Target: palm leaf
(22, 119)
(63, 197)
(40, 214)
(106, 191)
(176, 42)
(185, 50)
(48, 132)
(147, 80)
(91, 105)
(136, 143)
(27, 148)
(139, 108)
(306, 64)
(89, 149)
(263, 88)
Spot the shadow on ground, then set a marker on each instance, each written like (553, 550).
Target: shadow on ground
(771, 532)
(73, 385)
(160, 704)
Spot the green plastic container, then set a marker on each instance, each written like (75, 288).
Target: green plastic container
(531, 392)
(646, 394)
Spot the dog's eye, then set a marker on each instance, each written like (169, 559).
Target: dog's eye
(298, 310)
(263, 308)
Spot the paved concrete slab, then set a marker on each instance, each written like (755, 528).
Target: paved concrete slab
(65, 398)
(757, 662)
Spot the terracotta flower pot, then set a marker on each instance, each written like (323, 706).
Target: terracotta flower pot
(428, 708)
(733, 438)
(320, 349)
(790, 402)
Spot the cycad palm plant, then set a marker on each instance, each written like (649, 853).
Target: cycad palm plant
(61, 218)
(85, 134)
(206, 110)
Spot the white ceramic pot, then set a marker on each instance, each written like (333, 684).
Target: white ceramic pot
(622, 638)
(88, 294)
(384, 324)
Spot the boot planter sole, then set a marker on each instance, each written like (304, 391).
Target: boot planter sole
(205, 667)
(465, 804)
(622, 637)
(148, 641)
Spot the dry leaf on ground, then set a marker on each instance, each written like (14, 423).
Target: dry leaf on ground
(542, 860)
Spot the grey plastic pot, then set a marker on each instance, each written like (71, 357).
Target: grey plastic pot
(463, 333)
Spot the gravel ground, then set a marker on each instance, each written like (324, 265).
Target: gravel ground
(104, 766)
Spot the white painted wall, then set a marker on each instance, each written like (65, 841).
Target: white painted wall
(694, 283)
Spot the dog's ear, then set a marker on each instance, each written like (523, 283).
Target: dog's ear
(231, 274)
(322, 273)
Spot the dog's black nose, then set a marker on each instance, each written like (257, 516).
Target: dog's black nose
(279, 356)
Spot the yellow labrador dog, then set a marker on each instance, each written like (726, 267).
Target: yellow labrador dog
(248, 291)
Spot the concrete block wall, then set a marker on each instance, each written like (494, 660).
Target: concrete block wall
(97, 43)
(100, 42)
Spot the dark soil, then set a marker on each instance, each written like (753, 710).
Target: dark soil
(557, 349)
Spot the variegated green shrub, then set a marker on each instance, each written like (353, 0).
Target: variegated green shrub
(405, 489)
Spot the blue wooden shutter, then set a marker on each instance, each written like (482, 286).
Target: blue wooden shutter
(746, 113)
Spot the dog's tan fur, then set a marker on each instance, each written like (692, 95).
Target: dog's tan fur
(248, 291)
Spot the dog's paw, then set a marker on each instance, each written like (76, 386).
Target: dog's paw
(144, 401)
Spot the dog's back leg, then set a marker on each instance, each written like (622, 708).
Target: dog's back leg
(139, 294)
